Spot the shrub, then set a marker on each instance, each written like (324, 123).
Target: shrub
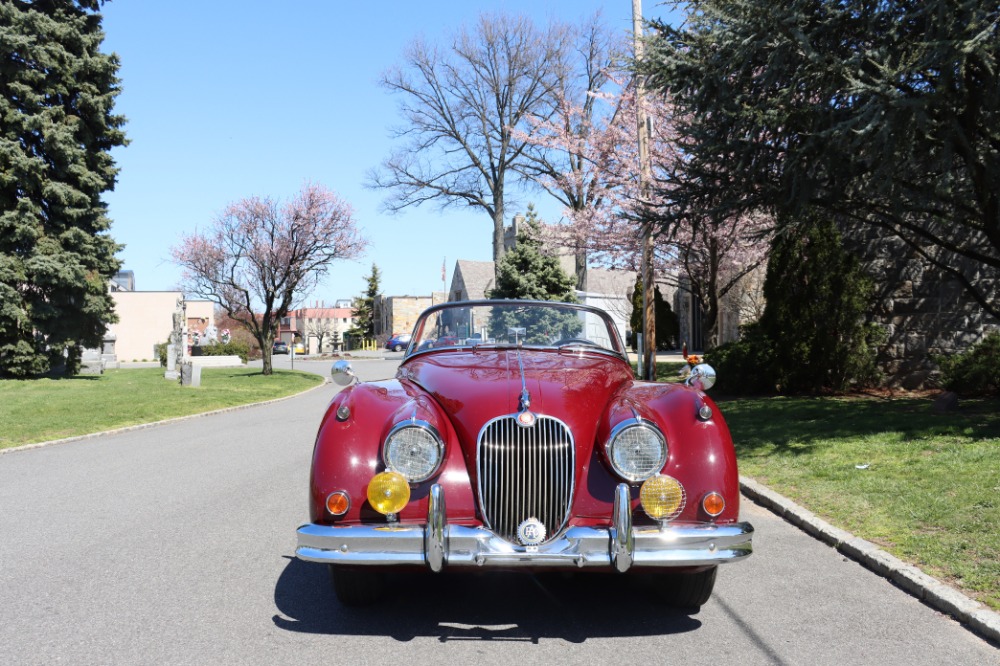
(231, 348)
(817, 298)
(975, 371)
(746, 366)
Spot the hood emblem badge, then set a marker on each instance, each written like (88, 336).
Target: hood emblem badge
(531, 532)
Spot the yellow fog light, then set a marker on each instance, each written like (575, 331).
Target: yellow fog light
(388, 492)
(662, 497)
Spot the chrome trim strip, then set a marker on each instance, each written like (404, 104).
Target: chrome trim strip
(524, 400)
(578, 547)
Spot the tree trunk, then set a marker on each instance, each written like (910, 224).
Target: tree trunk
(265, 356)
(498, 247)
(581, 270)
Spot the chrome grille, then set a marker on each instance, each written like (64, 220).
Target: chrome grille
(525, 472)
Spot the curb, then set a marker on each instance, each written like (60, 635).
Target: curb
(975, 616)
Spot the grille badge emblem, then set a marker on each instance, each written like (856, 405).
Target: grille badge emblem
(531, 532)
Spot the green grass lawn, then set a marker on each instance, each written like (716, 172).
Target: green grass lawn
(924, 486)
(41, 410)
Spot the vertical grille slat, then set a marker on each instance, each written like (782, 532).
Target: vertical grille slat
(525, 472)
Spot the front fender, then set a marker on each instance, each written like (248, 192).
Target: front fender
(700, 452)
(348, 453)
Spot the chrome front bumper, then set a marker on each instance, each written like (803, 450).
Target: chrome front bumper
(438, 544)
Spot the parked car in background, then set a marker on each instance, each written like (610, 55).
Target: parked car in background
(299, 348)
(398, 342)
(279, 347)
(536, 450)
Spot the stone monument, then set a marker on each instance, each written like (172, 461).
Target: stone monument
(177, 347)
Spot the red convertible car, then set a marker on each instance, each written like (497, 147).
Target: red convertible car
(526, 444)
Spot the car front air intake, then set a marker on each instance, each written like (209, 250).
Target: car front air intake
(525, 472)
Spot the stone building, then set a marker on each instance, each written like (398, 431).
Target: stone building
(924, 311)
(398, 314)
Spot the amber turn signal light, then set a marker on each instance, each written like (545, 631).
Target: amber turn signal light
(713, 504)
(337, 503)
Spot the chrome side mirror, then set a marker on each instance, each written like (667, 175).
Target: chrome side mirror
(342, 373)
(702, 377)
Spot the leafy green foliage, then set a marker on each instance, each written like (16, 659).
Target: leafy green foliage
(817, 297)
(57, 92)
(527, 273)
(540, 326)
(812, 336)
(976, 371)
(882, 112)
(745, 366)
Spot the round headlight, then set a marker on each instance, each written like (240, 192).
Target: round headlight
(414, 449)
(637, 450)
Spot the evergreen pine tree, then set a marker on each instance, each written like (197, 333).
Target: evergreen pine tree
(527, 272)
(817, 297)
(364, 307)
(57, 92)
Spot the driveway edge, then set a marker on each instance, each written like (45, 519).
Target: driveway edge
(975, 616)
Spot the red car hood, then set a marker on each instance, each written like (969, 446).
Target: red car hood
(476, 386)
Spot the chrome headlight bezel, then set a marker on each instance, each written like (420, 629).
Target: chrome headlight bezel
(429, 441)
(650, 462)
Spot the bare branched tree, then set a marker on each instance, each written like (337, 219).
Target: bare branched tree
(461, 106)
(321, 329)
(564, 166)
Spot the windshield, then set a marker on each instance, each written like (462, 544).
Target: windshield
(512, 323)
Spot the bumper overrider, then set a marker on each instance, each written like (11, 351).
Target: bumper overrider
(438, 544)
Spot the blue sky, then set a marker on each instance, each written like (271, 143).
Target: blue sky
(228, 99)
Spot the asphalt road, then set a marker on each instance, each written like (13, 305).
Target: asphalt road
(175, 545)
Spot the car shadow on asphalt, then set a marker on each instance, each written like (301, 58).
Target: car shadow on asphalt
(490, 606)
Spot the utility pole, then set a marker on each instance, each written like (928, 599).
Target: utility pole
(645, 172)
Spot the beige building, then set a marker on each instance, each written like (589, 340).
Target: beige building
(145, 319)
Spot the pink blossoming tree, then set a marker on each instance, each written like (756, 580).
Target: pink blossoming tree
(260, 255)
